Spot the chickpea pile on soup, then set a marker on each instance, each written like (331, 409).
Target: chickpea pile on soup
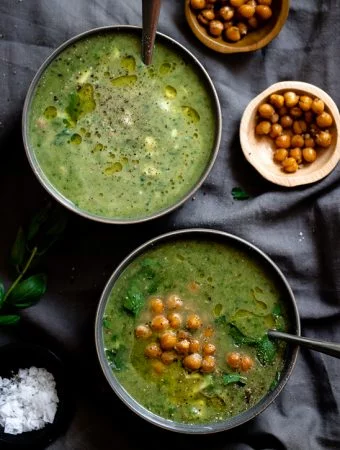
(185, 330)
(299, 125)
(232, 19)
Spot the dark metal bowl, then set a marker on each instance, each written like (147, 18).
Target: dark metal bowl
(291, 351)
(33, 160)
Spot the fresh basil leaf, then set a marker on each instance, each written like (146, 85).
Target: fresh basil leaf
(37, 221)
(28, 291)
(238, 337)
(230, 378)
(11, 319)
(17, 254)
(266, 350)
(239, 194)
(134, 300)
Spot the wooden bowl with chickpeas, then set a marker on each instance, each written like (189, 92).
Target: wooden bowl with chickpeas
(289, 133)
(235, 26)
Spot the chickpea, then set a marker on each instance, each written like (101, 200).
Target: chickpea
(168, 340)
(283, 111)
(280, 154)
(174, 302)
(305, 102)
(233, 34)
(237, 3)
(143, 332)
(309, 117)
(208, 364)
(208, 349)
(295, 112)
(243, 28)
(252, 3)
(309, 141)
(158, 367)
(159, 323)
(202, 20)
(198, 4)
(168, 357)
(264, 12)
(296, 153)
(247, 11)
(291, 99)
(263, 127)
(209, 331)
(233, 360)
(195, 346)
(266, 110)
(286, 121)
(299, 126)
(297, 141)
(193, 361)
(309, 154)
(246, 363)
(175, 320)
(264, 2)
(194, 287)
(253, 22)
(182, 334)
(283, 141)
(290, 165)
(156, 305)
(277, 100)
(208, 14)
(324, 120)
(276, 130)
(324, 139)
(226, 13)
(153, 350)
(216, 27)
(183, 346)
(194, 322)
(318, 106)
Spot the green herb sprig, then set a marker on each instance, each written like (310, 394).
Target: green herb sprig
(28, 248)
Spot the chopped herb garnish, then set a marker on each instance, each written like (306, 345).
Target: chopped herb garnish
(239, 194)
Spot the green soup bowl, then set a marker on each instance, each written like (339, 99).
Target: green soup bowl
(228, 292)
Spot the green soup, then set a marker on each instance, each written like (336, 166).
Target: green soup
(207, 357)
(117, 138)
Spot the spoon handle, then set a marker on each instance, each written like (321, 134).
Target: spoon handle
(320, 346)
(151, 9)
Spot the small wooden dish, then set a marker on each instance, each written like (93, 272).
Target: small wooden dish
(258, 150)
(252, 41)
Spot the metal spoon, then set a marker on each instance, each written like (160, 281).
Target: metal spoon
(320, 346)
(151, 10)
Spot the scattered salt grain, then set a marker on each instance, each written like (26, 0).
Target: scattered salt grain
(28, 401)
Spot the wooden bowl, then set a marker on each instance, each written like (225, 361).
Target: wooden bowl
(258, 150)
(252, 41)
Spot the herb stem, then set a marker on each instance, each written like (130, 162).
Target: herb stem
(29, 261)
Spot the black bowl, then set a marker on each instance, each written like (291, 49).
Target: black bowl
(22, 356)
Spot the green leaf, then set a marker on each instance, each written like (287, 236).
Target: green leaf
(28, 291)
(17, 254)
(37, 221)
(117, 358)
(221, 320)
(106, 323)
(276, 380)
(11, 319)
(239, 194)
(277, 310)
(134, 300)
(238, 337)
(230, 378)
(266, 350)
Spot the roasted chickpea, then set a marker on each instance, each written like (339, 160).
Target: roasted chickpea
(159, 323)
(228, 25)
(198, 4)
(324, 120)
(183, 346)
(276, 130)
(208, 364)
(193, 361)
(305, 102)
(216, 27)
(168, 357)
(243, 28)
(175, 320)
(263, 127)
(264, 2)
(283, 141)
(296, 153)
(280, 154)
(208, 349)
(158, 367)
(318, 106)
(253, 22)
(194, 322)
(290, 165)
(237, 3)
(168, 340)
(246, 363)
(275, 118)
(266, 110)
(143, 332)
(195, 346)
(208, 14)
(182, 334)
(156, 305)
(299, 126)
(233, 34)
(153, 350)
(252, 3)
(247, 11)
(324, 139)
(202, 20)
(208, 331)
(194, 287)
(226, 13)
(309, 154)
(264, 12)
(309, 141)
(308, 116)
(174, 302)
(291, 99)
(297, 141)
(295, 112)
(233, 360)
(277, 100)
(286, 121)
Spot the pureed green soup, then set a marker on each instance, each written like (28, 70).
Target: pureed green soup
(184, 331)
(118, 138)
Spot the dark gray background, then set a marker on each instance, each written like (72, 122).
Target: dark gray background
(298, 228)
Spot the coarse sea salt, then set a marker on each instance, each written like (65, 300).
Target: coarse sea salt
(28, 401)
